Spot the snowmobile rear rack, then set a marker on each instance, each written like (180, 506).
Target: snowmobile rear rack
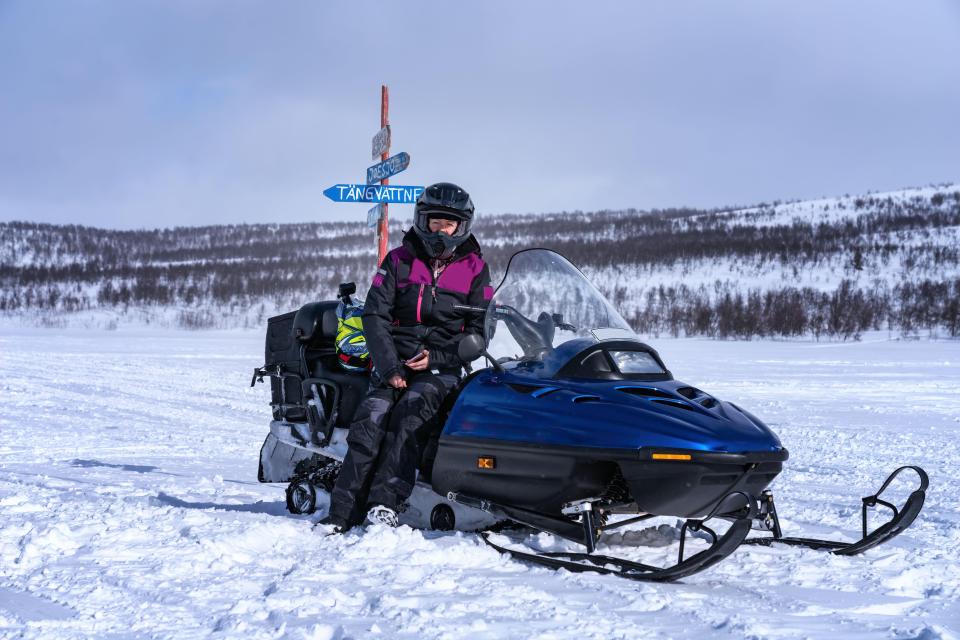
(902, 518)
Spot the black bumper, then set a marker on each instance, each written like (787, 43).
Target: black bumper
(693, 488)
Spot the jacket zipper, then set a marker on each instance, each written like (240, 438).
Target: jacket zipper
(433, 293)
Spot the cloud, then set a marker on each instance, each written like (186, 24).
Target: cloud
(159, 113)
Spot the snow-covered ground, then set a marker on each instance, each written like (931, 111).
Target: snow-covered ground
(130, 508)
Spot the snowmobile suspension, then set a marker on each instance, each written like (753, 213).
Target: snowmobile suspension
(591, 516)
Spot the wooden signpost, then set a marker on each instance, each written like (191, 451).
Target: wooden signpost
(380, 172)
(382, 228)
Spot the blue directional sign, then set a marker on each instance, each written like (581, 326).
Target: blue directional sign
(394, 194)
(389, 167)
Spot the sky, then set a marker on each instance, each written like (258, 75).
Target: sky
(164, 113)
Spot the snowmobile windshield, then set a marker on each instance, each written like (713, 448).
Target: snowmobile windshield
(544, 301)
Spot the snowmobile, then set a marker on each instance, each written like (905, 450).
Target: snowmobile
(574, 427)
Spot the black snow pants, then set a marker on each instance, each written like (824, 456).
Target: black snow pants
(385, 444)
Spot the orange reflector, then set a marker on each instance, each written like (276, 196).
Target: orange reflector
(672, 456)
(486, 463)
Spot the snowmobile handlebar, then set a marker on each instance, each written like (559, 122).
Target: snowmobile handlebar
(470, 309)
(534, 337)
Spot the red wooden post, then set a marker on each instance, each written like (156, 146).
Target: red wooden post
(382, 227)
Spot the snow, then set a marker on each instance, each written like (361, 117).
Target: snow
(129, 507)
(831, 210)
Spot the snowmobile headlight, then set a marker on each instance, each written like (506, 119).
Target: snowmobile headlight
(672, 456)
(486, 462)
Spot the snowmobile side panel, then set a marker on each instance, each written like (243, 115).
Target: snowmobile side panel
(543, 478)
(539, 478)
(281, 461)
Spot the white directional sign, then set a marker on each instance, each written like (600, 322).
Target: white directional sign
(374, 215)
(381, 142)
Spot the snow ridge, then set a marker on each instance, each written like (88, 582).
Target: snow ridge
(843, 266)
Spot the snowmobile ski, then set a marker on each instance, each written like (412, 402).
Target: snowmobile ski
(902, 518)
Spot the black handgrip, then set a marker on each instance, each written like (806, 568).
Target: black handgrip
(469, 308)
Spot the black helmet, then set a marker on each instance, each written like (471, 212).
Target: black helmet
(443, 200)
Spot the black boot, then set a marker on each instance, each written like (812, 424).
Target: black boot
(339, 524)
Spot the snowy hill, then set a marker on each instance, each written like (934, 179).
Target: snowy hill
(834, 266)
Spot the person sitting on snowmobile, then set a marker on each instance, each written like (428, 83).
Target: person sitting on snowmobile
(412, 332)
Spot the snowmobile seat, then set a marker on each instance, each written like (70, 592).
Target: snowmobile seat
(353, 388)
(301, 344)
(333, 399)
(315, 324)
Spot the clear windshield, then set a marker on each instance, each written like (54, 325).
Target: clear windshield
(543, 302)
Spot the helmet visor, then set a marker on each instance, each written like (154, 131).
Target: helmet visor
(424, 217)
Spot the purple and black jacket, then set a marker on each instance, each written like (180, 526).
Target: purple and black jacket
(406, 310)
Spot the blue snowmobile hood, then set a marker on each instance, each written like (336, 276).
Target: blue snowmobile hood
(526, 405)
